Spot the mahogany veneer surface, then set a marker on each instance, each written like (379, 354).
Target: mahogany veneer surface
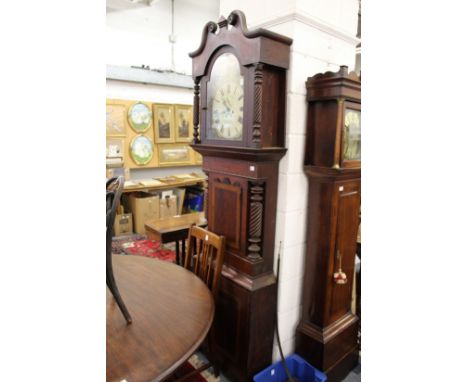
(172, 311)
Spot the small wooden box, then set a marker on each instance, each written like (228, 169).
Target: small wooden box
(168, 206)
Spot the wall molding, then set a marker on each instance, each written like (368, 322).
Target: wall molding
(145, 76)
(307, 19)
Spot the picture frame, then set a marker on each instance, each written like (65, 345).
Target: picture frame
(141, 150)
(114, 147)
(140, 117)
(174, 155)
(183, 123)
(115, 119)
(197, 158)
(163, 123)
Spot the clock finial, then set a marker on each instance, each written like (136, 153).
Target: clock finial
(222, 22)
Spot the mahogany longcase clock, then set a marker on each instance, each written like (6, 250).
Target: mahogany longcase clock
(239, 112)
(327, 333)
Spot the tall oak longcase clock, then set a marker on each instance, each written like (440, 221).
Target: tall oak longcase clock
(327, 333)
(239, 113)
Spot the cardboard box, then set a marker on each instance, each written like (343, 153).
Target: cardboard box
(180, 193)
(168, 206)
(123, 224)
(144, 207)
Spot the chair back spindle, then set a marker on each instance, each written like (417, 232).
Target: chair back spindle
(205, 256)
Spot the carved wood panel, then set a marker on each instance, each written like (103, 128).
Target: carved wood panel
(226, 210)
(258, 79)
(196, 110)
(256, 207)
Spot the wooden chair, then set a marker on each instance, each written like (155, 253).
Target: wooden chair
(114, 188)
(204, 257)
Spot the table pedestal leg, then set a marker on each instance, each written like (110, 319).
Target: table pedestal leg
(177, 252)
(183, 253)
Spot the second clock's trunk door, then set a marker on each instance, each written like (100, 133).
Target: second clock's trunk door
(346, 235)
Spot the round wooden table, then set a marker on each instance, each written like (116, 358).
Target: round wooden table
(172, 311)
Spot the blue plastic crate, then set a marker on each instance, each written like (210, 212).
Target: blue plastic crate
(298, 368)
(193, 202)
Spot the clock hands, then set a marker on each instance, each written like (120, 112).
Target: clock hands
(227, 112)
(226, 105)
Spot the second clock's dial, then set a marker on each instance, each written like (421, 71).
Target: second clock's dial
(228, 111)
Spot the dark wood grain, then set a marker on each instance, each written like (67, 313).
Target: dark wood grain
(174, 228)
(242, 189)
(327, 333)
(172, 311)
(328, 94)
(205, 256)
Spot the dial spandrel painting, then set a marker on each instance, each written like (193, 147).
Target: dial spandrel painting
(352, 135)
(140, 117)
(141, 149)
(226, 99)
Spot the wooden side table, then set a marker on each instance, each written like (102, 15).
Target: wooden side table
(174, 229)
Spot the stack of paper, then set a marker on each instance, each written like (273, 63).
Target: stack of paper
(150, 182)
(130, 183)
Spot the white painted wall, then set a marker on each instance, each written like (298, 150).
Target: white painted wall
(140, 36)
(323, 33)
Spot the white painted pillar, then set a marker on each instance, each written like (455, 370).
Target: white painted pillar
(324, 38)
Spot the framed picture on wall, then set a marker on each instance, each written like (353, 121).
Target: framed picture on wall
(163, 123)
(183, 123)
(115, 120)
(141, 150)
(140, 117)
(174, 155)
(114, 147)
(196, 157)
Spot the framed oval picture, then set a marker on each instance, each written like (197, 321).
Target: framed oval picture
(141, 150)
(140, 117)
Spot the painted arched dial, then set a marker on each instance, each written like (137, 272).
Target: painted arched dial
(226, 99)
(352, 135)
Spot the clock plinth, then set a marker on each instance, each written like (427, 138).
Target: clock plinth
(239, 112)
(327, 333)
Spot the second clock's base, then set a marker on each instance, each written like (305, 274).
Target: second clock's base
(333, 349)
(343, 367)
